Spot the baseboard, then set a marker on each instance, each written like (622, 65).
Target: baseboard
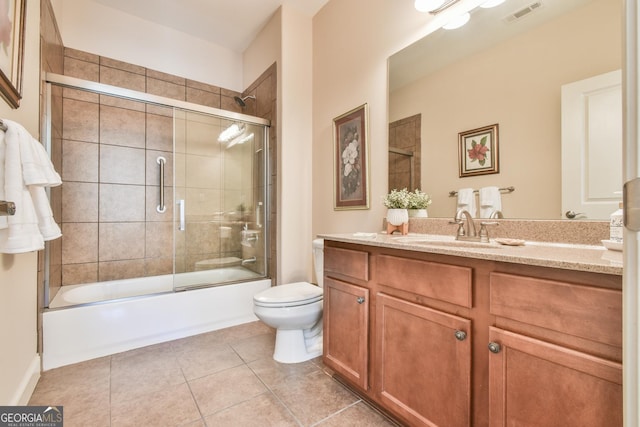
(28, 383)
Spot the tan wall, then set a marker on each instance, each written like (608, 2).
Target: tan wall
(516, 84)
(352, 40)
(19, 361)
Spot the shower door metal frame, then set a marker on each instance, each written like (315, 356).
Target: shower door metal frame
(104, 89)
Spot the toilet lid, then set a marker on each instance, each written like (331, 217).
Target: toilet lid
(289, 294)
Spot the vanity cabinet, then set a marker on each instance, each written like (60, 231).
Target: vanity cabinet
(346, 330)
(561, 352)
(346, 314)
(422, 363)
(442, 340)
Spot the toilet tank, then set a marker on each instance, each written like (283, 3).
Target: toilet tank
(318, 260)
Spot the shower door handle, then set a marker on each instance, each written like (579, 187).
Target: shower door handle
(162, 208)
(181, 226)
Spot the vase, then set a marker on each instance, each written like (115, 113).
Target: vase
(418, 213)
(397, 216)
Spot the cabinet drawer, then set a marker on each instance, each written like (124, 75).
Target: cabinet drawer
(347, 262)
(591, 313)
(449, 283)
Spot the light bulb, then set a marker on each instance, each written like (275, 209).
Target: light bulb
(427, 5)
(491, 3)
(457, 21)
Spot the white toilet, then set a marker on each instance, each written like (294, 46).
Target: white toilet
(295, 310)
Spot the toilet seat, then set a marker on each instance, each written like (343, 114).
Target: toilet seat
(289, 295)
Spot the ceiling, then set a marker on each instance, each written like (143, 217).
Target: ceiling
(229, 23)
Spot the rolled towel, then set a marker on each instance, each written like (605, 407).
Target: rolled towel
(467, 200)
(490, 201)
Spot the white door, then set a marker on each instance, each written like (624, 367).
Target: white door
(592, 146)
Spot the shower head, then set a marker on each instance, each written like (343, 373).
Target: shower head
(241, 101)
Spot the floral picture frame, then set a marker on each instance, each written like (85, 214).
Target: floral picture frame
(12, 20)
(351, 159)
(478, 151)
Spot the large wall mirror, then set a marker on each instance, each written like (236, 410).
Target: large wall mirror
(507, 70)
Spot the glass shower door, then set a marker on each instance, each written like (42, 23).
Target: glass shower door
(219, 200)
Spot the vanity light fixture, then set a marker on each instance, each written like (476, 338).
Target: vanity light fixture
(428, 5)
(491, 3)
(457, 21)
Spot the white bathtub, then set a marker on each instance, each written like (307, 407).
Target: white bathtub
(83, 332)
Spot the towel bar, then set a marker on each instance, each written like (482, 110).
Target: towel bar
(502, 190)
(7, 208)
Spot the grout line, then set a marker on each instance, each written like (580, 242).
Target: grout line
(335, 413)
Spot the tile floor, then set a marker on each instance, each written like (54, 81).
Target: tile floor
(221, 378)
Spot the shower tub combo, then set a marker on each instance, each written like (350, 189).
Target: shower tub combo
(197, 248)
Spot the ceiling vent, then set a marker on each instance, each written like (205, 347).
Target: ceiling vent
(521, 13)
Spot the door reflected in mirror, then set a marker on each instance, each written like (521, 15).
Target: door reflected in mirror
(501, 70)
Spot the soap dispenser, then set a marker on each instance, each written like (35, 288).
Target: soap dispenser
(616, 225)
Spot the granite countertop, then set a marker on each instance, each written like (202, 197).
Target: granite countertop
(568, 256)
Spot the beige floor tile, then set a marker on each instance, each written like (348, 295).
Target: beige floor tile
(262, 410)
(274, 374)
(255, 347)
(358, 415)
(172, 406)
(202, 359)
(314, 397)
(246, 330)
(221, 390)
(143, 371)
(82, 389)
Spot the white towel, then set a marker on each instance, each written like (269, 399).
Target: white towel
(467, 201)
(22, 162)
(490, 201)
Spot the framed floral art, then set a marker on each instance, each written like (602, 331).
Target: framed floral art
(12, 19)
(351, 160)
(478, 151)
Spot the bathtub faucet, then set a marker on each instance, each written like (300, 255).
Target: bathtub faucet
(251, 260)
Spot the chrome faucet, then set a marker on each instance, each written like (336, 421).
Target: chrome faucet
(470, 233)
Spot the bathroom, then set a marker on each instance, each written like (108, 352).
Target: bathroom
(306, 107)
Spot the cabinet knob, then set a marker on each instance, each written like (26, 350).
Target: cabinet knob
(494, 347)
(360, 300)
(461, 335)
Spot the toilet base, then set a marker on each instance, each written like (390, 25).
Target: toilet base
(298, 345)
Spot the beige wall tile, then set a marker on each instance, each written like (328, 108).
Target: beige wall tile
(79, 161)
(181, 81)
(79, 54)
(122, 165)
(121, 241)
(80, 95)
(122, 203)
(80, 122)
(115, 270)
(81, 69)
(159, 132)
(120, 78)
(159, 240)
(158, 266)
(166, 89)
(203, 97)
(75, 274)
(79, 242)
(203, 172)
(124, 66)
(119, 126)
(128, 104)
(79, 202)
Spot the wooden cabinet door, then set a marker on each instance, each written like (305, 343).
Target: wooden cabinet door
(346, 330)
(535, 383)
(423, 359)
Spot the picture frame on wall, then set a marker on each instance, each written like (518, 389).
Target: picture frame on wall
(12, 22)
(351, 159)
(478, 151)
